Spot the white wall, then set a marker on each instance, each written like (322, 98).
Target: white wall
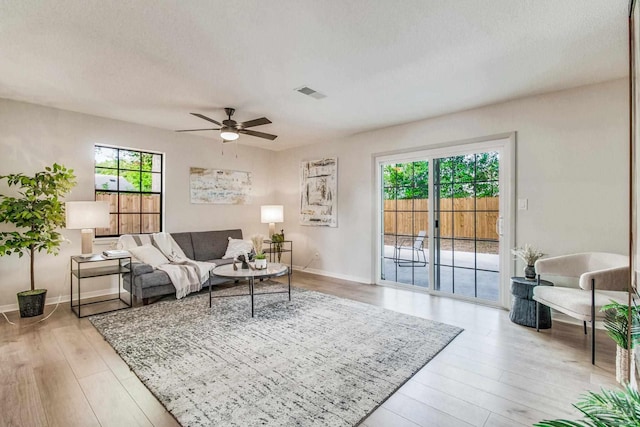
(32, 137)
(571, 163)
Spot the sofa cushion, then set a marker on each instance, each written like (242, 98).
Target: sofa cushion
(184, 241)
(576, 302)
(155, 278)
(138, 268)
(208, 245)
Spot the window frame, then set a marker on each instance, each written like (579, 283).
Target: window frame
(118, 170)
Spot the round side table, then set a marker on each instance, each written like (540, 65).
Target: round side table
(523, 307)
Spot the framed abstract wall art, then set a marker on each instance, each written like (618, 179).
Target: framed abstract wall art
(319, 192)
(218, 186)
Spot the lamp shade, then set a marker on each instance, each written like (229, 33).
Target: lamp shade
(80, 215)
(271, 213)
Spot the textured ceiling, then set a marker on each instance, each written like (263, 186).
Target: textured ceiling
(380, 62)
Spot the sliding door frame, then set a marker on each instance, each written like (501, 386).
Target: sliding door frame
(506, 144)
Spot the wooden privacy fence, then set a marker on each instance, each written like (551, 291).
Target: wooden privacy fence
(459, 218)
(133, 219)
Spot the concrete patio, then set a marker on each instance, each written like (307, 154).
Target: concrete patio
(487, 281)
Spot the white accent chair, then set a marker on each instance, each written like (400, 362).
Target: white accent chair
(602, 277)
(416, 246)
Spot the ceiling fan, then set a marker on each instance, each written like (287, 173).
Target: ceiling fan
(230, 129)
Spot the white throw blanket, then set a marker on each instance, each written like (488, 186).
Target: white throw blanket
(185, 274)
(168, 246)
(182, 269)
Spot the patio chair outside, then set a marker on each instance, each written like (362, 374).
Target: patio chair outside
(416, 247)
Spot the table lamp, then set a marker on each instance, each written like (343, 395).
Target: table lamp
(86, 216)
(270, 214)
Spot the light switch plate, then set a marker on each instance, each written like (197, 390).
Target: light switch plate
(523, 204)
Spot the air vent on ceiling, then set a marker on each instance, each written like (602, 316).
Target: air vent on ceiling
(305, 90)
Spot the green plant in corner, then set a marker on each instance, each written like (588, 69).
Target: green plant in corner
(609, 408)
(36, 212)
(616, 322)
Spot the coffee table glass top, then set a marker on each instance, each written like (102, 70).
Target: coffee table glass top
(273, 269)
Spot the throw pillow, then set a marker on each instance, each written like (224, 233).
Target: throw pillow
(237, 247)
(149, 255)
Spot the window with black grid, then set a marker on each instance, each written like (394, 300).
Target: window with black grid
(131, 181)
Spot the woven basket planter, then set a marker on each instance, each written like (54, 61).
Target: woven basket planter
(622, 364)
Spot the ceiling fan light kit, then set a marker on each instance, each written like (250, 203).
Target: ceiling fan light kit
(230, 130)
(228, 134)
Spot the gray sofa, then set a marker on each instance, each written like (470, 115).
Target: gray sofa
(145, 282)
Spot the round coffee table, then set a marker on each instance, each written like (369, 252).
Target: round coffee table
(523, 307)
(273, 270)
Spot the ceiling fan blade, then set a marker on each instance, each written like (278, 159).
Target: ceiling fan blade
(194, 130)
(255, 122)
(258, 134)
(206, 118)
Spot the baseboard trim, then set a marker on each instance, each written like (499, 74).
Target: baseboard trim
(62, 299)
(333, 275)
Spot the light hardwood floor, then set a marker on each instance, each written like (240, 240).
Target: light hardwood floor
(62, 373)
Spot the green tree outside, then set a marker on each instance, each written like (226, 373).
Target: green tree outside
(135, 167)
(474, 175)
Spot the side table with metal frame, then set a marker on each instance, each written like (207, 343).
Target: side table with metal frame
(84, 270)
(273, 251)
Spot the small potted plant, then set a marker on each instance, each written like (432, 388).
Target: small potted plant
(261, 261)
(36, 212)
(260, 257)
(616, 322)
(529, 255)
(278, 240)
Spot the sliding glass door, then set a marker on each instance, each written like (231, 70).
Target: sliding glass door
(466, 225)
(405, 216)
(441, 221)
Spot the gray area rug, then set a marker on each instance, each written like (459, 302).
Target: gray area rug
(318, 360)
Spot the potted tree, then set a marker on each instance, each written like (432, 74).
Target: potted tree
(36, 212)
(616, 322)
